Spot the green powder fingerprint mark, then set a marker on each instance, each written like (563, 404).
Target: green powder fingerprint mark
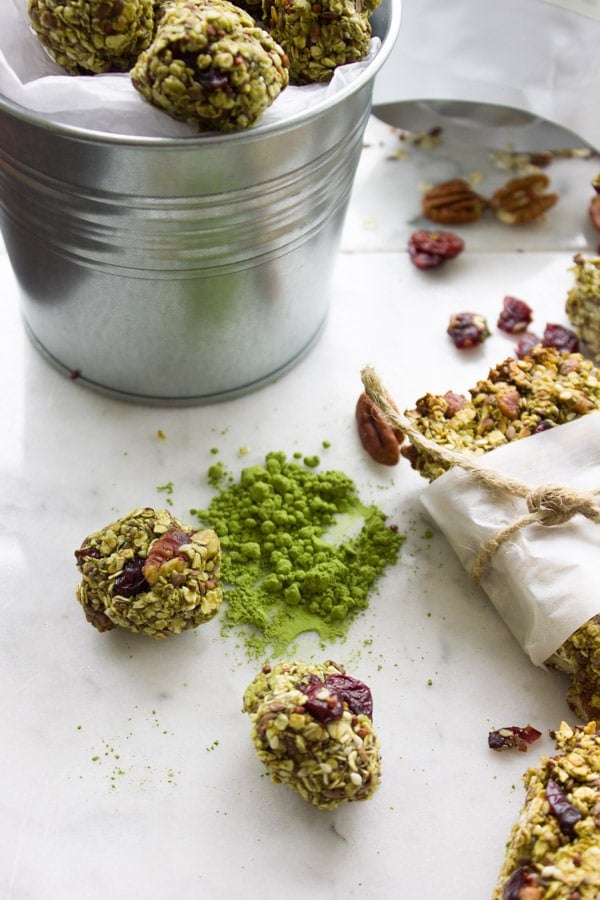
(301, 552)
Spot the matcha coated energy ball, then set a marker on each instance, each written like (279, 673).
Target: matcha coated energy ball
(312, 728)
(93, 36)
(149, 573)
(318, 37)
(210, 65)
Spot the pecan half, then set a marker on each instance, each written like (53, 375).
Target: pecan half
(523, 199)
(379, 439)
(453, 203)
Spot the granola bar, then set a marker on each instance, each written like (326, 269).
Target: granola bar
(553, 851)
(583, 303)
(210, 65)
(312, 729)
(518, 398)
(319, 37)
(93, 36)
(149, 573)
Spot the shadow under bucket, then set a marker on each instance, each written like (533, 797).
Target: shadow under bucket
(181, 270)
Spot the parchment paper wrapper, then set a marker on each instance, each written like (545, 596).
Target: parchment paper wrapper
(542, 56)
(543, 580)
(29, 77)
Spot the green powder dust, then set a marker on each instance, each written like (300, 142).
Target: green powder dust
(301, 552)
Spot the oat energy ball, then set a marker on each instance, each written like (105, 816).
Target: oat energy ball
(93, 36)
(318, 37)
(583, 303)
(211, 66)
(312, 727)
(149, 573)
(553, 849)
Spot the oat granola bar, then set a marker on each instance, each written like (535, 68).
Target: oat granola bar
(93, 36)
(312, 728)
(149, 573)
(319, 37)
(583, 303)
(553, 850)
(517, 399)
(210, 65)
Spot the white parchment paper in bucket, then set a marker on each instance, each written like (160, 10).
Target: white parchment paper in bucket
(29, 77)
(543, 580)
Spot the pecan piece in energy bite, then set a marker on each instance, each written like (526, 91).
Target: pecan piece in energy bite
(149, 573)
(312, 729)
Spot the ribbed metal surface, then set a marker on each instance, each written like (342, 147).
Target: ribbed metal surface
(179, 271)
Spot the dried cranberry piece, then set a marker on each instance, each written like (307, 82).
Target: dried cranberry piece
(515, 316)
(354, 692)
(544, 425)
(130, 581)
(431, 249)
(340, 689)
(87, 553)
(520, 878)
(513, 736)
(324, 709)
(560, 338)
(565, 813)
(526, 343)
(467, 330)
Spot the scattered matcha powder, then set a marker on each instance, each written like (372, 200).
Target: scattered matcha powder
(301, 552)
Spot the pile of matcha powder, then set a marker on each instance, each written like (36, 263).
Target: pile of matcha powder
(301, 552)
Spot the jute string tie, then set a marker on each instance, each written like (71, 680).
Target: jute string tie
(547, 504)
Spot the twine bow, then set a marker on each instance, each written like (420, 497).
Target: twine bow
(547, 504)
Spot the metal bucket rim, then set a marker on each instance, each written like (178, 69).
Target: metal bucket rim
(259, 131)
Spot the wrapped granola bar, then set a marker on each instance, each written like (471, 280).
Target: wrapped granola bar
(553, 851)
(149, 573)
(519, 397)
(494, 496)
(312, 728)
(209, 65)
(583, 303)
(93, 36)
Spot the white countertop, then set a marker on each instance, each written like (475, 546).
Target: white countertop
(126, 764)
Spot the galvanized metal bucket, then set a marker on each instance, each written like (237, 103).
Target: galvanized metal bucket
(181, 270)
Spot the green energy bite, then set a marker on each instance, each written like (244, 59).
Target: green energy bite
(312, 728)
(149, 573)
(301, 552)
(553, 851)
(211, 66)
(93, 36)
(518, 398)
(583, 303)
(318, 37)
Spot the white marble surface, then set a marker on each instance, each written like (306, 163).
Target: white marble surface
(126, 766)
